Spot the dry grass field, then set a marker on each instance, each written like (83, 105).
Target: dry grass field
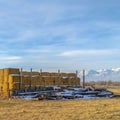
(103, 109)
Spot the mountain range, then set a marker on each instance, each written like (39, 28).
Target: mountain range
(102, 74)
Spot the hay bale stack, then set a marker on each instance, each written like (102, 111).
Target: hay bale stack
(8, 71)
(1, 79)
(71, 75)
(14, 82)
(78, 80)
(15, 86)
(55, 78)
(43, 82)
(1, 75)
(64, 74)
(51, 82)
(47, 81)
(54, 74)
(1, 86)
(44, 78)
(5, 76)
(4, 79)
(13, 78)
(10, 79)
(34, 73)
(25, 73)
(26, 80)
(45, 74)
(5, 86)
(65, 81)
(38, 80)
(73, 81)
(1, 72)
(35, 81)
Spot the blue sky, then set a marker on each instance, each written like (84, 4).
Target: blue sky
(60, 34)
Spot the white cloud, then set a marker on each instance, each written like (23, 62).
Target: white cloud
(10, 60)
(88, 52)
(8, 57)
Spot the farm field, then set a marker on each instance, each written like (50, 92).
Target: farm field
(102, 109)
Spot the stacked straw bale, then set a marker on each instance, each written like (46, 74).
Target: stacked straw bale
(12, 79)
(1, 79)
(7, 72)
(4, 79)
(14, 82)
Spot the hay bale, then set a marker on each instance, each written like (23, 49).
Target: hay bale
(26, 80)
(34, 73)
(47, 81)
(5, 86)
(1, 86)
(14, 79)
(8, 71)
(6, 78)
(63, 74)
(54, 74)
(15, 86)
(43, 82)
(73, 81)
(1, 72)
(36, 80)
(1, 78)
(71, 74)
(44, 74)
(25, 73)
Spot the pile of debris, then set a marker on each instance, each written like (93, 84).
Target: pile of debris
(65, 93)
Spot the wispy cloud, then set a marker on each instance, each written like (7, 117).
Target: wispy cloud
(10, 60)
(73, 53)
(9, 57)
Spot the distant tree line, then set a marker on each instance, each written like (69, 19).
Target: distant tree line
(102, 83)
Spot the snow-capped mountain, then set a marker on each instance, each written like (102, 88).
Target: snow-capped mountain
(103, 74)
